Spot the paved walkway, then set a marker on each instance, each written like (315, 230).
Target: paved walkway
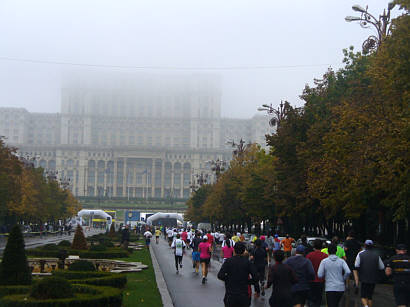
(186, 289)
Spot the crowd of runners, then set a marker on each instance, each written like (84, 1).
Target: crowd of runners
(299, 272)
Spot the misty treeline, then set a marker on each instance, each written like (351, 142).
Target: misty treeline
(27, 195)
(339, 163)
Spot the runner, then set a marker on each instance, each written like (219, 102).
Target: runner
(148, 236)
(352, 248)
(281, 277)
(305, 274)
(367, 267)
(195, 253)
(340, 251)
(335, 272)
(157, 234)
(178, 245)
(184, 236)
(205, 250)
(399, 267)
(269, 241)
(170, 235)
(235, 273)
(316, 287)
(227, 251)
(287, 245)
(189, 238)
(259, 259)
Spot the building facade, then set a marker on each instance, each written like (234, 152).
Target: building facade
(142, 137)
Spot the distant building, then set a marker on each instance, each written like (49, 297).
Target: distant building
(133, 138)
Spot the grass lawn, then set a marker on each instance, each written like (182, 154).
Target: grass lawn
(141, 289)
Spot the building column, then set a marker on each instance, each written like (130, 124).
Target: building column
(96, 178)
(162, 177)
(124, 179)
(153, 178)
(115, 177)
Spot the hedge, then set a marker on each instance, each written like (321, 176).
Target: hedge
(80, 275)
(109, 253)
(9, 290)
(86, 296)
(90, 278)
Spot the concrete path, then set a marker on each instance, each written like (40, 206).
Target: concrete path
(186, 289)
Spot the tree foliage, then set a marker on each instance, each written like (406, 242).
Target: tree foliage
(340, 161)
(27, 195)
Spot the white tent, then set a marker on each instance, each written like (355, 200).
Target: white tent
(91, 213)
(161, 215)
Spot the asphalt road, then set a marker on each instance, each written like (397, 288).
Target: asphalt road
(186, 289)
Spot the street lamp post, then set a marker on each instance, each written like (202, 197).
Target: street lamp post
(278, 114)
(217, 166)
(240, 147)
(382, 25)
(198, 181)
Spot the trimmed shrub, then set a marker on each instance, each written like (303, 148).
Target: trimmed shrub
(90, 296)
(106, 242)
(94, 278)
(80, 275)
(112, 230)
(79, 241)
(14, 269)
(9, 290)
(51, 288)
(98, 248)
(50, 246)
(108, 254)
(64, 243)
(82, 265)
(113, 280)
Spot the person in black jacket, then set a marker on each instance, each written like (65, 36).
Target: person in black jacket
(259, 259)
(235, 273)
(368, 265)
(282, 277)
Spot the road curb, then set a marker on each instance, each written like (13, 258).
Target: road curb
(161, 284)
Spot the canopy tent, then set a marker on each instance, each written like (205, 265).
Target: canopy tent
(92, 213)
(162, 216)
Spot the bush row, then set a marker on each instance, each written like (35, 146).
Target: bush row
(94, 278)
(109, 253)
(86, 296)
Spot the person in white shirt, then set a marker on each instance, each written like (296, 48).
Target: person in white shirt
(170, 235)
(189, 238)
(178, 245)
(148, 236)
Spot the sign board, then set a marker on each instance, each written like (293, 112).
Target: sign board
(131, 216)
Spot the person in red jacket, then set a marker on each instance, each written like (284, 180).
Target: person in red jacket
(316, 286)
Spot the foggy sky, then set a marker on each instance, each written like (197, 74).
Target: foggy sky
(264, 51)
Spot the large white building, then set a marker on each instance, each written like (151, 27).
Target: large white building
(140, 137)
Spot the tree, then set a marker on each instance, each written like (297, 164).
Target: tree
(79, 241)
(14, 269)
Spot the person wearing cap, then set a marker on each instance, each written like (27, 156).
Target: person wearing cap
(398, 266)
(305, 274)
(366, 270)
(235, 272)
